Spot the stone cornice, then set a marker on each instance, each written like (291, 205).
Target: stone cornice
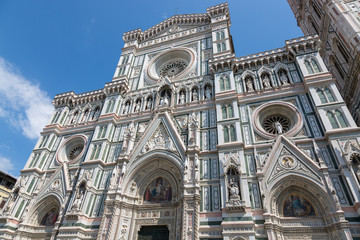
(72, 99)
(184, 20)
(293, 47)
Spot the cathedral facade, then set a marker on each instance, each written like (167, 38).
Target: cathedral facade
(189, 141)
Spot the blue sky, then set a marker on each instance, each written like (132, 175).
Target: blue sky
(50, 47)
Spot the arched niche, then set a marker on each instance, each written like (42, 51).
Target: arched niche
(148, 168)
(310, 190)
(45, 213)
(297, 202)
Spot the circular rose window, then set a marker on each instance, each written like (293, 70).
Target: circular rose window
(72, 149)
(175, 64)
(276, 118)
(172, 68)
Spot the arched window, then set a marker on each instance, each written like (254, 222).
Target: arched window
(223, 46)
(332, 120)
(232, 133)
(218, 47)
(315, 65)
(224, 112)
(227, 82)
(226, 134)
(340, 118)
(222, 34)
(217, 36)
(312, 66)
(329, 95)
(321, 96)
(222, 84)
(308, 67)
(230, 111)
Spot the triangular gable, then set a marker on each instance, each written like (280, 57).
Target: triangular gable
(160, 134)
(58, 183)
(175, 24)
(286, 158)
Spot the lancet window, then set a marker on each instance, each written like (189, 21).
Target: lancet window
(225, 83)
(312, 66)
(325, 95)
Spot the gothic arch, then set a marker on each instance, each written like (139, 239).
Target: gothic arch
(316, 193)
(42, 207)
(150, 165)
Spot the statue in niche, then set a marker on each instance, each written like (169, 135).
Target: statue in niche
(138, 106)
(249, 85)
(74, 117)
(126, 107)
(195, 95)
(278, 127)
(158, 191)
(149, 103)
(182, 97)
(283, 77)
(113, 178)
(96, 113)
(266, 81)
(233, 190)
(85, 116)
(165, 100)
(207, 92)
(79, 198)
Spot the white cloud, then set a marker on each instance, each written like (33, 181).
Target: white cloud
(23, 104)
(6, 165)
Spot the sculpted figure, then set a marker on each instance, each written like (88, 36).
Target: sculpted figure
(233, 190)
(266, 81)
(249, 85)
(208, 93)
(149, 103)
(137, 107)
(283, 78)
(182, 98)
(195, 95)
(278, 127)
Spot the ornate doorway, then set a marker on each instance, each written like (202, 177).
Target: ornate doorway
(154, 233)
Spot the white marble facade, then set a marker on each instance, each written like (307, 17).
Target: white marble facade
(190, 142)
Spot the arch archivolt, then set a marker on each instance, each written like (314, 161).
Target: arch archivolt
(311, 190)
(151, 166)
(43, 206)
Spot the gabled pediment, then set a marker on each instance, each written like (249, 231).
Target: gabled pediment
(161, 134)
(285, 159)
(171, 25)
(58, 183)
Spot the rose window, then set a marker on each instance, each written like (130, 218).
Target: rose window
(276, 124)
(72, 149)
(173, 68)
(175, 63)
(277, 118)
(75, 151)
